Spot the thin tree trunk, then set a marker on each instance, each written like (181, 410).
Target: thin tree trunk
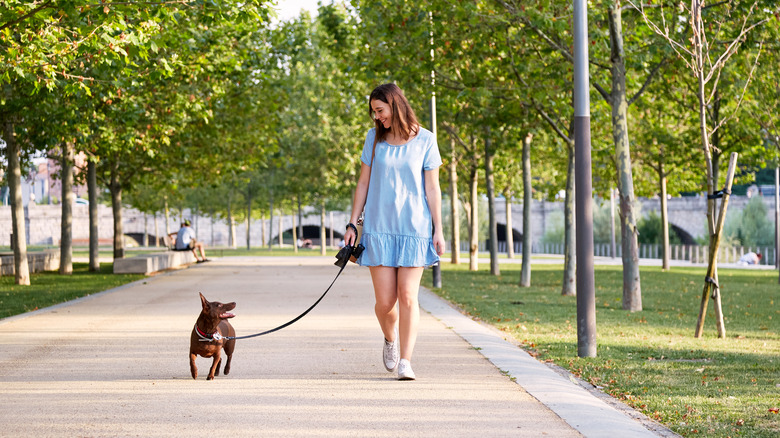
(116, 208)
(94, 243)
(330, 229)
(510, 239)
(19, 240)
(474, 222)
(146, 230)
(454, 208)
(491, 194)
(271, 222)
(613, 248)
(664, 219)
(569, 249)
(156, 231)
(322, 229)
(525, 273)
(294, 232)
(167, 214)
(300, 218)
(66, 219)
(263, 233)
(231, 221)
(281, 227)
(632, 292)
(248, 219)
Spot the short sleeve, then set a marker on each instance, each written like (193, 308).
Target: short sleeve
(368, 147)
(432, 157)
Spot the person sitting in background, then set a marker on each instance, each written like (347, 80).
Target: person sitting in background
(186, 241)
(750, 258)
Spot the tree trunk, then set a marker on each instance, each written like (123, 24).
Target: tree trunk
(66, 218)
(322, 229)
(271, 222)
(473, 221)
(491, 195)
(231, 221)
(300, 218)
(454, 209)
(294, 232)
(19, 240)
(510, 239)
(263, 233)
(281, 229)
(248, 218)
(569, 248)
(156, 232)
(632, 292)
(330, 229)
(613, 247)
(116, 208)
(94, 243)
(664, 219)
(525, 273)
(167, 214)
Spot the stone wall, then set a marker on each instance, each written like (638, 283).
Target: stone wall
(43, 221)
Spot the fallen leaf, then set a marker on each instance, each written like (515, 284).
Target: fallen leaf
(774, 410)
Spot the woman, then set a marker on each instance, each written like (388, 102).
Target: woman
(398, 191)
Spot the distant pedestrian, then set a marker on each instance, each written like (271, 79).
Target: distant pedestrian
(398, 192)
(186, 241)
(750, 258)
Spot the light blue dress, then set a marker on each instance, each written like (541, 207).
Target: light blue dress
(397, 228)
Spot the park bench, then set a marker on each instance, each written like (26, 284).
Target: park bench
(154, 262)
(37, 261)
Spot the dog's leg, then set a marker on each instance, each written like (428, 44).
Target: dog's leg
(229, 347)
(193, 368)
(215, 365)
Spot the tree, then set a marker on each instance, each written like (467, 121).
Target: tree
(716, 36)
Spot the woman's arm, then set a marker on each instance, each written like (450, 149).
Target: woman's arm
(358, 202)
(433, 193)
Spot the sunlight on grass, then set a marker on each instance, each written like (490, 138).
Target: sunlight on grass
(649, 359)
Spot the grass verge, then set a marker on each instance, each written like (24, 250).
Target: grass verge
(49, 288)
(649, 359)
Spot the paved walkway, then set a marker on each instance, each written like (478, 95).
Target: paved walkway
(116, 364)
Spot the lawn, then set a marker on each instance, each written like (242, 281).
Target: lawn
(49, 288)
(698, 387)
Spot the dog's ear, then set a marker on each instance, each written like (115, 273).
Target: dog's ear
(204, 302)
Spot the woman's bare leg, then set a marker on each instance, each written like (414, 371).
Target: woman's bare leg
(408, 286)
(385, 291)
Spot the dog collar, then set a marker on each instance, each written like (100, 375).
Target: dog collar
(207, 337)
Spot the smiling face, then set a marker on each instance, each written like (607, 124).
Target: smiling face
(382, 112)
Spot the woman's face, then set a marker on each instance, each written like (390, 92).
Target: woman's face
(382, 112)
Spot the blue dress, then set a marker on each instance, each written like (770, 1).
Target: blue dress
(397, 228)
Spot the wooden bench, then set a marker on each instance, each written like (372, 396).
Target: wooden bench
(150, 263)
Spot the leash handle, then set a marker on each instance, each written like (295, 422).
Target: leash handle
(288, 323)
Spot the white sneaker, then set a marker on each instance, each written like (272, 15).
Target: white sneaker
(405, 370)
(390, 353)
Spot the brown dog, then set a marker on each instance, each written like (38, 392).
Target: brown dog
(207, 336)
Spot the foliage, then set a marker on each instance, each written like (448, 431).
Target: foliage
(650, 231)
(751, 226)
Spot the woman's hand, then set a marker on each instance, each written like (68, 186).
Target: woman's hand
(438, 242)
(349, 237)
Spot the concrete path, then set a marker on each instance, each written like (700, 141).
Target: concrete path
(116, 364)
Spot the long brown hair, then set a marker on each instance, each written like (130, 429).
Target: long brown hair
(403, 121)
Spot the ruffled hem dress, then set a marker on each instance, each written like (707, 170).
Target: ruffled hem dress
(397, 226)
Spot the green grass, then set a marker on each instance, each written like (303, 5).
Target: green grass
(49, 288)
(649, 359)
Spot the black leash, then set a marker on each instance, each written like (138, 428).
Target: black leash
(288, 323)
